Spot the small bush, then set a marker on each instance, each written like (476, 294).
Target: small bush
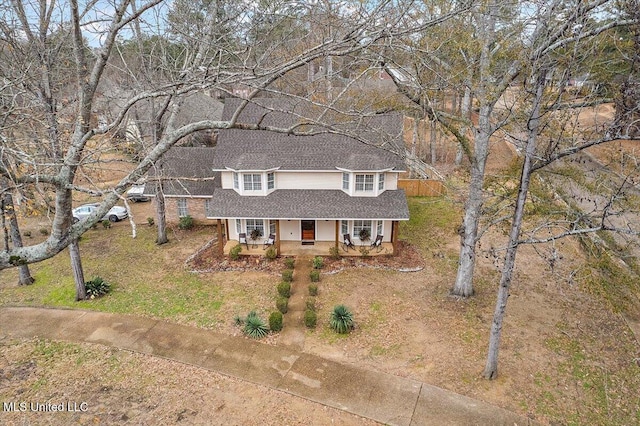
(313, 289)
(364, 251)
(334, 253)
(27, 234)
(318, 262)
(43, 231)
(275, 321)
(282, 304)
(271, 253)
(310, 318)
(254, 326)
(106, 224)
(186, 222)
(310, 304)
(287, 275)
(314, 275)
(284, 289)
(234, 253)
(97, 287)
(150, 221)
(289, 262)
(237, 320)
(341, 320)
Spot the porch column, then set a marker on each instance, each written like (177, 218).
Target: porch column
(277, 237)
(220, 238)
(394, 236)
(337, 234)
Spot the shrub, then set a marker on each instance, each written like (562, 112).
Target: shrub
(237, 320)
(150, 221)
(43, 231)
(106, 224)
(282, 304)
(287, 275)
(334, 253)
(186, 222)
(97, 287)
(364, 251)
(284, 289)
(275, 321)
(234, 253)
(310, 304)
(254, 327)
(271, 253)
(318, 262)
(310, 318)
(313, 289)
(341, 320)
(27, 234)
(289, 262)
(314, 275)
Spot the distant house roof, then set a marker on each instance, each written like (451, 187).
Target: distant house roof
(186, 171)
(261, 149)
(310, 204)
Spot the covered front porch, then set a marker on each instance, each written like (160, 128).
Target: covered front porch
(318, 248)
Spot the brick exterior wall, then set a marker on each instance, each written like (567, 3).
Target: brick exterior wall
(195, 209)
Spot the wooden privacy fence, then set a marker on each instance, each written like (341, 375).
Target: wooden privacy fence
(422, 187)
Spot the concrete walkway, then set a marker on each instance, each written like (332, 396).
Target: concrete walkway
(379, 396)
(294, 330)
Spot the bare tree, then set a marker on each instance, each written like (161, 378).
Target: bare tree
(59, 114)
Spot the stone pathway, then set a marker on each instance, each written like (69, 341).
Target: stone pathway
(294, 329)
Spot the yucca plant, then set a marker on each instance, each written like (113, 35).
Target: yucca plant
(254, 326)
(341, 320)
(97, 287)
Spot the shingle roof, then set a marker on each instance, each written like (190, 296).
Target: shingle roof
(191, 164)
(310, 204)
(381, 136)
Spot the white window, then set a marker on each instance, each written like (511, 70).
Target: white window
(238, 226)
(380, 181)
(236, 184)
(344, 227)
(272, 227)
(345, 181)
(182, 207)
(255, 224)
(271, 180)
(252, 182)
(364, 182)
(379, 229)
(359, 225)
(208, 207)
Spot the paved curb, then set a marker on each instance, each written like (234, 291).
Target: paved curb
(378, 396)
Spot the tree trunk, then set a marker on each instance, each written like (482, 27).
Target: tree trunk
(24, 275)
(76, 267)
(160, 215)
(491, 367)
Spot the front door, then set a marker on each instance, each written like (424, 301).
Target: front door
(308, 230)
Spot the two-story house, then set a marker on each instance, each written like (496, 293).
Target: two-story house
(307, 189)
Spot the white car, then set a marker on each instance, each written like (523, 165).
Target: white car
(115, 214)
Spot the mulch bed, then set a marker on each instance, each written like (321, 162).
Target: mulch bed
(207, 259)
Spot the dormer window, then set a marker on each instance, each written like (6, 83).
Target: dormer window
(381, 182)
(364, 182)
(345, 181)
(252, 181)
(236, 183)
(271, 180)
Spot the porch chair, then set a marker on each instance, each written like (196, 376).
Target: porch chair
(347, 243)
(377, 243)
(269, 241)
(242, 239)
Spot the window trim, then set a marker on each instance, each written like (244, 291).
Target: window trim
(380, 228)
(364, 186)
(236, 181)
(344, 227)
(346, 181)
(381, 182)
(361, 224)
(256, 224)
(271, 180)
(249, 182)
(182, 207)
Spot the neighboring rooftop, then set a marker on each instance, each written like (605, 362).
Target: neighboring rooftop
(189, 170)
